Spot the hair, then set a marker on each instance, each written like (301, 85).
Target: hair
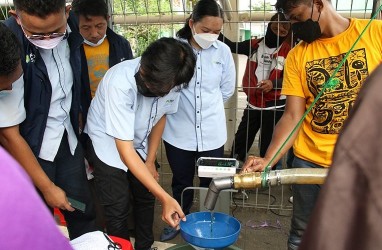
(40, 8)
(287, 5)
(88, 8)
(202, 9)
(278, 17)
(9, 51)
(167, 63)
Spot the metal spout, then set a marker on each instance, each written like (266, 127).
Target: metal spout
(263, 179)
(216, 185)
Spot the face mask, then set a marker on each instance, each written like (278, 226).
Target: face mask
(95, 44)
(142, 88)
(309, 30)
(271, 39)
(205, 40)
(46, 43)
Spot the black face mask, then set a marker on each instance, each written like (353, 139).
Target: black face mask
(308, 30)
(271, 39)
(142, 88)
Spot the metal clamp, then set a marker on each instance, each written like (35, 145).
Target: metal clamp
(278, 177)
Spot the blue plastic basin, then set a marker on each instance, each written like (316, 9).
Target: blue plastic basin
(199, 231)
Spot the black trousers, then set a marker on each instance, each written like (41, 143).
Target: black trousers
(251, 122)
(67, 171)
(113, 186)
(182, 164)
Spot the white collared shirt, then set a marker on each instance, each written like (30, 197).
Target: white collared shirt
(119, 111)
(57, 62)
(12, 111)
(200, 124)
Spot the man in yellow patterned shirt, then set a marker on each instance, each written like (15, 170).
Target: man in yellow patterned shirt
(102, 48)
(326, 38)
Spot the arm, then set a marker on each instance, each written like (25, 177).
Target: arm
(171, 212)
(154, 140)
(15, 144)
(268, 85)
(243, 47)
(294, 110)
(228, 77)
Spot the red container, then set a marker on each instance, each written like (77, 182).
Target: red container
(57, 213)
(126, 245)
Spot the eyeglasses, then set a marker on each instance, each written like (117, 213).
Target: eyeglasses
(43, 36)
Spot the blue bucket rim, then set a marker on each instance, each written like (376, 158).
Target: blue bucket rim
(209, 238)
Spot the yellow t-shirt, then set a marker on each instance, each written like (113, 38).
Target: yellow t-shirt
(309, 66)
(98, 63)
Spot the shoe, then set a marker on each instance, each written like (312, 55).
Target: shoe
(291, 199)
(169, 233)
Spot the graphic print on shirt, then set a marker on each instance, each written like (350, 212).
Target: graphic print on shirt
(98, 65)
(333, 106)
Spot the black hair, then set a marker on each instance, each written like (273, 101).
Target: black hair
(287, 5)
(202, 9)
(278, 17)
(40, 8)
(9, 51)
(89, 8)
(167, 63)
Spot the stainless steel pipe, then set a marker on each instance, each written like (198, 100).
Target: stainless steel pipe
(263, 179)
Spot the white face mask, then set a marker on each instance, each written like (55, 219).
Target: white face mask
(46, 43)
(53, 39)
(95, 44)
(205, 40)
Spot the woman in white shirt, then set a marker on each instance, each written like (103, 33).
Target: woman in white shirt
(125, 124)
(198, 128)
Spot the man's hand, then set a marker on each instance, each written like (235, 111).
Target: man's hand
(56, 197)
(172, 212)
(153, 170)
(254, 164)
(265, 85)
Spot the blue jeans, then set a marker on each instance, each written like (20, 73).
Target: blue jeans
(67, 171)
(290, 158)
(304, 199)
